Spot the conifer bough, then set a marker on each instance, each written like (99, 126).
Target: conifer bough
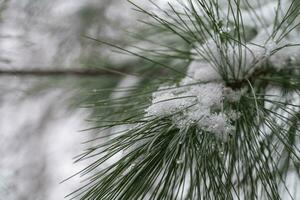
(226, 127)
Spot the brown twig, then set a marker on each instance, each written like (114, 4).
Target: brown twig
(62, 72)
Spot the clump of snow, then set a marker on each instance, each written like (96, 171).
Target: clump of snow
(289, 55)
(262, 15)
(240, 60)
(167, 101)
(202, 71)
(199, 104)
(235, 59)
(250, 4)
(253, 56)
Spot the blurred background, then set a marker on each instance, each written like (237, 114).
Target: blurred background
(41, 116)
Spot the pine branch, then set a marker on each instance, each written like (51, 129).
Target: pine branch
(197, 138)
(63, 72)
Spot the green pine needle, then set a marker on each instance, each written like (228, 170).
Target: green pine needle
(144, 157)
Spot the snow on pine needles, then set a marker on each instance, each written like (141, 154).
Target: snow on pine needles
(199, 98)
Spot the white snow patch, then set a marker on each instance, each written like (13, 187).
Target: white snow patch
(199, 104)
(289, 55)
(201, 71)
(261, 16)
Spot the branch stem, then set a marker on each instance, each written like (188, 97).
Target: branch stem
(62, 72)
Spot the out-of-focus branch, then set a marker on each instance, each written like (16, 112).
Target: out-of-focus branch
(63, 72)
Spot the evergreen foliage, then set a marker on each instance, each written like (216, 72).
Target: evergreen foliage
(253, 49)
